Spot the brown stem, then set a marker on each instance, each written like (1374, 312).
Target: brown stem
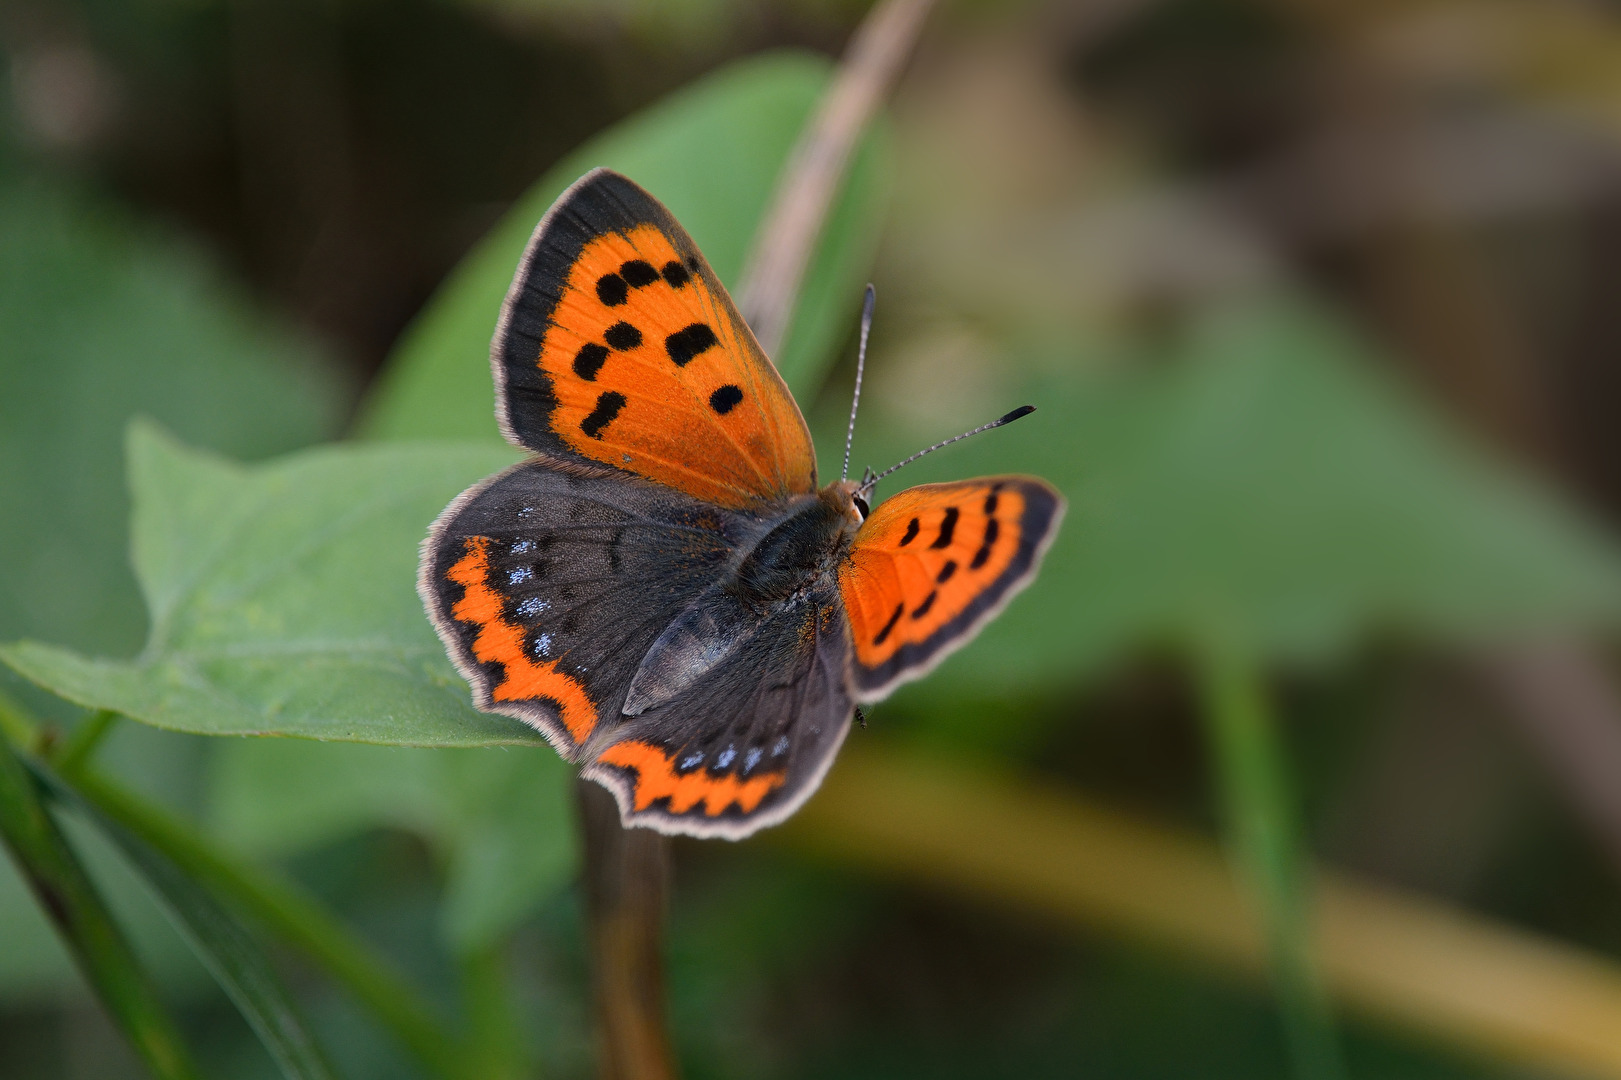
(787, 236)
(1565, 704)
(627, 870)
(626, 884)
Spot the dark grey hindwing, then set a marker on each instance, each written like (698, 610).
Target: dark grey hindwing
(747, 744)
(548, 583)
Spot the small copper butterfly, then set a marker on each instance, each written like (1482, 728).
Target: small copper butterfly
(662, 589)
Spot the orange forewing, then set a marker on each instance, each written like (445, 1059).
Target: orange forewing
(656, 777)
(653, 374)
(501, 641)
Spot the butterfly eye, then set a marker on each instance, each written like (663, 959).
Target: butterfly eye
(861, 505)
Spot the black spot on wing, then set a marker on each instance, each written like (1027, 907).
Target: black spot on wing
(675, 274)
(990, 503)
(948, 526)
(612, 290)
(945, 572)
(685, 344)
(928, 602)
(638, 273)
(911, 532)
(725, 399)
(589, 360)
(992, 530)
(623, 336)
(608, 405)
(883, 635)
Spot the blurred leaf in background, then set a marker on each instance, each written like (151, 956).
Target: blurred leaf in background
(1259, 475)
(104, 318)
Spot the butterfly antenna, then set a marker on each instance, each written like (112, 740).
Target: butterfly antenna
(861, 365)
(871, 480)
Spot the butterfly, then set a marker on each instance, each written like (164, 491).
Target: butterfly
(662, 589)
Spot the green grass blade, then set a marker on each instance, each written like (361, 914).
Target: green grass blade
(70, 898)
(221, 942)
(1264, 836)
(293, 916)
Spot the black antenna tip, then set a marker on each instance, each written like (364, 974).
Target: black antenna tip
(867, 301)
(1017, 414)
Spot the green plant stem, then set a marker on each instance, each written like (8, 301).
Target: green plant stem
(298, 919)
(69, 897)
(86, 739)
(16, 725)
(1261, 823)
(281, 906)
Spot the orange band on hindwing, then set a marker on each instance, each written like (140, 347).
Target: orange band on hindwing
(656, 777)
(502, 642)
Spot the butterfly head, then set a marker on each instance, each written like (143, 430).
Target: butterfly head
(849, 499)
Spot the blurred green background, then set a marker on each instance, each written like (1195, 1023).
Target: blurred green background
(1319, 304)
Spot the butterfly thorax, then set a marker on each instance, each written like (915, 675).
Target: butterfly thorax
(797, 551)
(801, 548)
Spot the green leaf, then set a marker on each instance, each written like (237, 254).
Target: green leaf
(712, 153)
(283, 603)
(224, 946)
(1262, 475)
(282, 599)
(104, 317)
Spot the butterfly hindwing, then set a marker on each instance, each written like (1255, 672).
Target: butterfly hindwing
(617, 344)
(933, 564)
(744, 747)
(549, 582)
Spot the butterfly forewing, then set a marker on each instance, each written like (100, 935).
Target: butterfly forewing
(619, 345)
(932, 564)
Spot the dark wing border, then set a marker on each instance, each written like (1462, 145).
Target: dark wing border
(1038, 528)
